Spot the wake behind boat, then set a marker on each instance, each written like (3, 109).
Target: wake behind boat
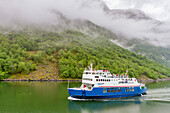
(101, 84)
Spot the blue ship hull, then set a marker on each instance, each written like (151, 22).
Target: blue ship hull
(106, 93)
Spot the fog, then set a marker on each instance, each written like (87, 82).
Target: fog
(156, 9)
(44, 12)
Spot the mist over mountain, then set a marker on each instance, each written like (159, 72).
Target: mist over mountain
(156, 9)
(128, 13)
(127, 22)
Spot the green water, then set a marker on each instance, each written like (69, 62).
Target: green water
(51, 97)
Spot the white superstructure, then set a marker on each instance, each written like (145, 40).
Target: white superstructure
(103, 78)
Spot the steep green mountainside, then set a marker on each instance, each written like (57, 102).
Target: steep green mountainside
(152, 52)
(71, 51)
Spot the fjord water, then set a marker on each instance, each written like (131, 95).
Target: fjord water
(51, 97)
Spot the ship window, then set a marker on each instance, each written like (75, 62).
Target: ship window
(116, 90)
(120, 90)
(104, 90)
(112, 88)
(108, 91)
(112, 91)
(86, 73)
(93, 73)
(99, 79)
(96, 76)
(132, 89)
(96, 79)
(126, 90)
(129, 89)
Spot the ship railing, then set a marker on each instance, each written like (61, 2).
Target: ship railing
(141, 84)
(126, 82)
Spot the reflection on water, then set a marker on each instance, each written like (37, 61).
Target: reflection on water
(106, 106)
(51, 97)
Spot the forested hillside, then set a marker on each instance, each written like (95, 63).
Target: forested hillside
(156, 53)
(21, 52)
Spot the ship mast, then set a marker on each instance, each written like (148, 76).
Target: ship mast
(91, 67)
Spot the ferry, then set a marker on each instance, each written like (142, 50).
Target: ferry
(101, 84)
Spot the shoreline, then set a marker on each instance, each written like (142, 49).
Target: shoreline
(140, 80)
(152, 80)
(42, 80)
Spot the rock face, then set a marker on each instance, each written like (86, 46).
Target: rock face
(127, 13)
(144, 79)
(130, 14)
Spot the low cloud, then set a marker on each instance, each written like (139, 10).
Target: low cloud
(43, 12)
(156, 9)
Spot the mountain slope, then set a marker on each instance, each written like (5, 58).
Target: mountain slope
(70, 51)
(142, 47)
(158, 54)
